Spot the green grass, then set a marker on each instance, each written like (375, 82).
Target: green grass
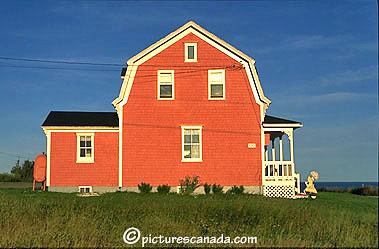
(42, 219)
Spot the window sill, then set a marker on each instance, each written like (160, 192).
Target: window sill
(192, 160)
(85, 161)
(189, 60)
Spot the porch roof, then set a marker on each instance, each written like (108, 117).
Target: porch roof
(271, 121)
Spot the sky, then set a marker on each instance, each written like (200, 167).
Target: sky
(317, 62)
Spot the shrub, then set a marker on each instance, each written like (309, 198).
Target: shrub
(144, 188)
(236, 190)
(163, 189)
(207, 188)
(189, 185)
(365, 190)
(217, 189)
(6, 177)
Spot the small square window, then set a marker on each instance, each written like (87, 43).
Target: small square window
(85, 189)
(166, 84)
(190, 51)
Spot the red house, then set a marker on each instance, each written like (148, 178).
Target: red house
(190, 104)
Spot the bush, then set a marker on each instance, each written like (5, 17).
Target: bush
(144, 188)
(217, 189)
(189, 185)
(365, 190)
(6, 177)
(236, 190)
(207, 188)
(163, 189)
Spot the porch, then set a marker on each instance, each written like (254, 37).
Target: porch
(278, 168)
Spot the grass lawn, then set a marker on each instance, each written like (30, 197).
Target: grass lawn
(42, 219)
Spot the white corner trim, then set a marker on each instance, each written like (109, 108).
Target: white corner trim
(48, 157)
(120, 120)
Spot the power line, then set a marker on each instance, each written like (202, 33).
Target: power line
(60, 68)
(102, 64)
(60, 62)
(13, 155)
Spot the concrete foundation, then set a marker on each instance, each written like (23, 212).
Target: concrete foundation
(174, 189)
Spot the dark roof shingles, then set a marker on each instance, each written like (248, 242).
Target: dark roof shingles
(274, 120)
(63, 118)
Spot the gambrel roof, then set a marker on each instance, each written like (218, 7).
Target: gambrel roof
(191, 27)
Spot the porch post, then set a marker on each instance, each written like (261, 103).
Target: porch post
(292, 153)
(291, 145)
(280, 149)
(273, 149)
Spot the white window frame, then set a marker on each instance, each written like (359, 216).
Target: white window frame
(186, 45)
(81, 187)
(172, 83)
(85, 159)
(223, 84)
(200, 144)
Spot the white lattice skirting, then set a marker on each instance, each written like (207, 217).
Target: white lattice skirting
(282, 191)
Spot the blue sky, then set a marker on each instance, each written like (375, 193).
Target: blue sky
(317, 62)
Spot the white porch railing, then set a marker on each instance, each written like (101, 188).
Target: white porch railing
(280, 179)
(281, 173)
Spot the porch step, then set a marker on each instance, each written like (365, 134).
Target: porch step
(301, 196)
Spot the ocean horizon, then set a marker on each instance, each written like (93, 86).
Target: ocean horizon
(341, 184)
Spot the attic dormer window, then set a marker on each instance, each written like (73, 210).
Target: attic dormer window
(190, 50)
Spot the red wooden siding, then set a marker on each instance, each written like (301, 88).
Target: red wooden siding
(64, 171)
(152, 149)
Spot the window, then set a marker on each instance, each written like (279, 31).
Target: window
(166, 84)
(190, 50)
(191, 144)
(85, 189)
(216, 84)
(85, 148)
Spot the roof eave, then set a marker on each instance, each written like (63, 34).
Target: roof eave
(282, 125)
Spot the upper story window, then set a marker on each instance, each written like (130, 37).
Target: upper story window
(166, 84)
(191, 144)
(85, 147)
(216, 84)
(190, 50)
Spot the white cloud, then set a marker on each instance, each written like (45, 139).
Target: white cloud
(327, 98)
(349, 76)
(297, 42)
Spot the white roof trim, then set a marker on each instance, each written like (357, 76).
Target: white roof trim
(297, 125)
